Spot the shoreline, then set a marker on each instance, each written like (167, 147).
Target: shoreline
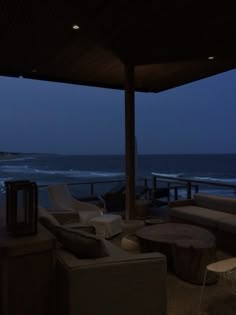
(4, 156)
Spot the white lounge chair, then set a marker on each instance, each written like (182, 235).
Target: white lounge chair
(61, 199)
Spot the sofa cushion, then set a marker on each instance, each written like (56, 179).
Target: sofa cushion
(219, 203)
(82, 244)
(198, 215)
(228, 224)
(47, 220)
(66, 216)
(86, 228)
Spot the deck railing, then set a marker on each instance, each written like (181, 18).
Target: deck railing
(188, 183)
(152, 184)
(92, 184)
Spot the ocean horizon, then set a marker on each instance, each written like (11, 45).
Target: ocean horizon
(46, 169)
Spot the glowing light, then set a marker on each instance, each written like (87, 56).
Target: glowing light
(211, 58)
(75, 27)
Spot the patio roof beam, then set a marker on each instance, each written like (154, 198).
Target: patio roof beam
(130, 140)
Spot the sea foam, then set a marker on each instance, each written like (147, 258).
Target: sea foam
(66, 173)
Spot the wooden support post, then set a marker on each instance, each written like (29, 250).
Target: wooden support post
(130, 141)
(176, 193)
(169, 187)
(154, 188)
(189, 190)
(154, 183)
(146, 188)
(196, 188)
(92, 189)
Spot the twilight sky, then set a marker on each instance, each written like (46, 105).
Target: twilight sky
(37, 116)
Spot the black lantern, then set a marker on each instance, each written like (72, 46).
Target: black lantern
(21, 207)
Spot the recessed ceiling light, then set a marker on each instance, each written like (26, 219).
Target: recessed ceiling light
(75, 27)
(211, 58)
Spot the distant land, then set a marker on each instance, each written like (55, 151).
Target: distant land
(10, 155)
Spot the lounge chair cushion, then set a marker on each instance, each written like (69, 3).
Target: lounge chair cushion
(82, 244)
(66, 217)
(219, 203)
(198, 215)
(62, 199)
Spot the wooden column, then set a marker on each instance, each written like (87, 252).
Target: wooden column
(130, 141)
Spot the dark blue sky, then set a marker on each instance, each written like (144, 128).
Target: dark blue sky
(42, 117)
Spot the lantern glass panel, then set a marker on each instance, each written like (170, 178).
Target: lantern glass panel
(21, 215)
(21, 207)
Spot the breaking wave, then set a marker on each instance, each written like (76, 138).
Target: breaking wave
(25, 169)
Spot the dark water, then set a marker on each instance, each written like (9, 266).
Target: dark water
(45, 169)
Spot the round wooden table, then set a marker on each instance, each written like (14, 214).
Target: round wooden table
(189, 248)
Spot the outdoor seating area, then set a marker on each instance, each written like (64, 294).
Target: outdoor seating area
(125, 252)
(165, 274)
(86, 264)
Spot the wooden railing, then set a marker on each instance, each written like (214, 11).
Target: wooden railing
(189, 183)
(151, 185)
(93, 183)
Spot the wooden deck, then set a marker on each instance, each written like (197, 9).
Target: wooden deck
(183, 297)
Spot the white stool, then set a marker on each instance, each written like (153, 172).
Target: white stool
(107, 225)
(225, 270)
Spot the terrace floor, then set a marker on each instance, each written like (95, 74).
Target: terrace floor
(183, 297)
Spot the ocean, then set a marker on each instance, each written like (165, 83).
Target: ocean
(52, 168)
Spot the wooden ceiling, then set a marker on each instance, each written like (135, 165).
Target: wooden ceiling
(168, 41)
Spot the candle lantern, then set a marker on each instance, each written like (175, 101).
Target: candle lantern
(21, 207)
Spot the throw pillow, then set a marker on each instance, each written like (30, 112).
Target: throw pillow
(82, 244)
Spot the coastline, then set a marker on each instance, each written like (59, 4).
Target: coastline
(6, 156)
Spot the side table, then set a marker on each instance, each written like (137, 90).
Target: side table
(26, 270)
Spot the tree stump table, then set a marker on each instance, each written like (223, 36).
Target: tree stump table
(188, 248)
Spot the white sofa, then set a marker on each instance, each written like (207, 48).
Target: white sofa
(216, 213)
(118, 284)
